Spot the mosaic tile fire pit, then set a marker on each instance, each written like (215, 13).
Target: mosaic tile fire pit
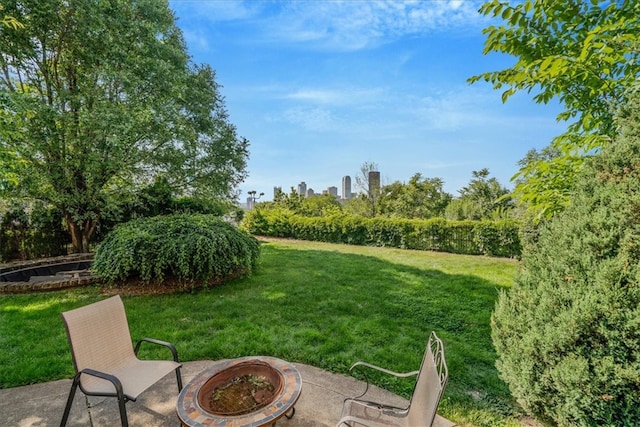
(216, 396)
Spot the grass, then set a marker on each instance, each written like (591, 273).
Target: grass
(320, 304)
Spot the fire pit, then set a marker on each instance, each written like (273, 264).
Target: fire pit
(250, 391)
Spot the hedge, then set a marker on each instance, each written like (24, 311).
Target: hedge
(494, 238)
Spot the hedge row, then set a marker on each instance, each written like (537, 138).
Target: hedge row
(495, 238)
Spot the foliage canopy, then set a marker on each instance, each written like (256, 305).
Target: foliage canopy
(585, 53)
(100, 98)
(482, 198)
(419, 198)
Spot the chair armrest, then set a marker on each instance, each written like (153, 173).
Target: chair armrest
(377, 368)
(382, 407)
(360, 421)
(111, 378)
(170, 346)
(386, 371)
(350, 419)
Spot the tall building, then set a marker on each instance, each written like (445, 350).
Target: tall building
(374, 184)
(276, 190)
(333, 191)
(310, 193)
(346, 187)
(302, 188)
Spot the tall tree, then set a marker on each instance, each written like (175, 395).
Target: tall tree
(419, 198)
(583, 52)
(482, 198)
(99, 98)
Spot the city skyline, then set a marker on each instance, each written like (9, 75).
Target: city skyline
(373, 181)
(306, 191)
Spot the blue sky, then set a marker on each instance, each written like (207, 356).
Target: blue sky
(320, 87)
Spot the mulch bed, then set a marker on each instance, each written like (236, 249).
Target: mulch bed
(170, 285)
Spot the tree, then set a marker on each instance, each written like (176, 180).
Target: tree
(292, 201)
(419, 198)
(359, 205)
(370, 192)
(583, 52)
(321, 205)
(553, 179)
(567, 332)
(101, 98)
(480, 199)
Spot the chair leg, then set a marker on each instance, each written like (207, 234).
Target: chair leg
(72, 393)
(123, 411)
(179, 377)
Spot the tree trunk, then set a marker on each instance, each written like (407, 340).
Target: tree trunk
(80, 233)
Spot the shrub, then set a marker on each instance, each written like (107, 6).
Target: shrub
(30, 232)
(189, 247)
(568, 332)
(497, 238)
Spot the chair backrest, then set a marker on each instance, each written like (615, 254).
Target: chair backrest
(99, 335)
(430, 384)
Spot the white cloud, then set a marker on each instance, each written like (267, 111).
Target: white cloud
(314, 119)
(352, 25)
(345, 96)
(338, 25)
(196, 39)
(455, 109)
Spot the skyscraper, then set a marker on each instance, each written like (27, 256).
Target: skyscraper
(346, 187)
(374, 184)
(302, 189)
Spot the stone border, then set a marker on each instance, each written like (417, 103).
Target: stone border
(52, 285)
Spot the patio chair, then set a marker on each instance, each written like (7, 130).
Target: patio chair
(421, 412)
(104, 359)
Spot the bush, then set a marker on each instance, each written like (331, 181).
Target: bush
(31, 232)
(568, 332)
(496, 238)
(188, 247)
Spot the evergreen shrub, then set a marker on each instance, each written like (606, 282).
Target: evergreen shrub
(188, 247)
(568, 332)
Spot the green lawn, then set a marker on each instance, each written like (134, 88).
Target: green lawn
(320, 304)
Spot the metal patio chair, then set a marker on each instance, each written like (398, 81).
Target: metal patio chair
(104, 359)
(421, 412)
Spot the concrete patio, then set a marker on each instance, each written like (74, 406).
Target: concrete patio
(42, 405)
